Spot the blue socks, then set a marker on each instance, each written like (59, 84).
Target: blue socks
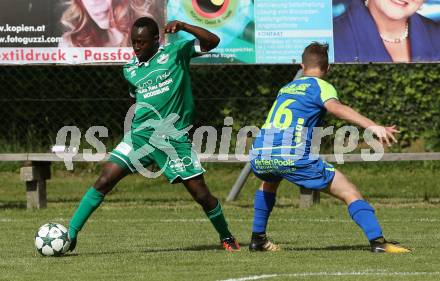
(263, 205)
(363, 214)
(360, 211)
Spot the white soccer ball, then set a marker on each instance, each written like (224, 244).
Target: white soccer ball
(52, 239)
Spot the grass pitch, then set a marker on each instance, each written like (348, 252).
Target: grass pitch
(150, 230)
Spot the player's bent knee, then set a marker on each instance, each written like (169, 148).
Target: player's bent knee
(104, 184)
(206, 200)
(203, 197)
(269, 186)
(349, 195)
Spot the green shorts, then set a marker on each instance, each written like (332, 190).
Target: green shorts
(176, 159)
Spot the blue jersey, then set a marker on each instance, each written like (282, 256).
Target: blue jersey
(288, 130)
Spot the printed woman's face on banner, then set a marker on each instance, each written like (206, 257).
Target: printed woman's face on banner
(99, 11)
(397, 9)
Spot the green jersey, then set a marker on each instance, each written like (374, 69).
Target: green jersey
(162, 88)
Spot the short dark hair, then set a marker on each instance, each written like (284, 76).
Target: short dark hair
(316, 55)
(149, 23)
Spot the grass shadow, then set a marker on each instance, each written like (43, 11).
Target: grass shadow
(328, 248)
(109, 199)
(184, 249)
(251, 205)
(13, 205)
(198, 248)
(151, 201)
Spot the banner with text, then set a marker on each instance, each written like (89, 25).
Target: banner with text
(251, 31)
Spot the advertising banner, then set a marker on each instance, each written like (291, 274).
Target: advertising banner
(251, 31)
(231, 20)
(71, 31)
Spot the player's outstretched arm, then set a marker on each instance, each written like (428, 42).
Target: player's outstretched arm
(208, 40)
(384, 134)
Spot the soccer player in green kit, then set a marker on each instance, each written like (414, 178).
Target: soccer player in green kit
(159, 80)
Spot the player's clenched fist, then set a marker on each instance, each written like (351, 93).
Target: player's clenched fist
(174, 26)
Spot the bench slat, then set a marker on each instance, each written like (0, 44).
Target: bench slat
(229, 158)
(13, 156)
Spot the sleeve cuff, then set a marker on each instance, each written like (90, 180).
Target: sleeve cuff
(197, 47)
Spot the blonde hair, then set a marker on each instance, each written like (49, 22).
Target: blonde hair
(82, 31)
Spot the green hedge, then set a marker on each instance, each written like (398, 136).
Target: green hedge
(35, 108)
(405, 95)
(402, 94)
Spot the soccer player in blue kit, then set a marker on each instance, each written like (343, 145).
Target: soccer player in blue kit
(281, 150)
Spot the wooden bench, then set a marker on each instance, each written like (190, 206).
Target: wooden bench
(36, 170)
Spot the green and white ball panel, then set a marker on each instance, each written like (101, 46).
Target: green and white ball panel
(66, 246)
(52, 239)
(39, 243)
(55, 232)
(57, 244)
(62, 228)
(47, 251)
(43, 231)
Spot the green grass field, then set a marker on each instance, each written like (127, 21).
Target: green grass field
(150, 230)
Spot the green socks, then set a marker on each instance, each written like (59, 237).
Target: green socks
(90, 201)
(93, 198)
(218, 220)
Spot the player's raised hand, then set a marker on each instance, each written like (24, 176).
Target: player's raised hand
(385, 134)
(174, 26)
(207, 39)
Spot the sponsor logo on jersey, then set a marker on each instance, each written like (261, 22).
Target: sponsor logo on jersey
(131, 68)
(162, 59)
(180, 164)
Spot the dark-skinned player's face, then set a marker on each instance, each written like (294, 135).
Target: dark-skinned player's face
(144, 44)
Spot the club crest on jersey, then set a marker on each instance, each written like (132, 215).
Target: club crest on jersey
(162, 59)
(131, 68)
